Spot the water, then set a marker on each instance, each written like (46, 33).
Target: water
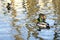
(6, 31)
(17, 28)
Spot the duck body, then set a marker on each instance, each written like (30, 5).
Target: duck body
(43, 25)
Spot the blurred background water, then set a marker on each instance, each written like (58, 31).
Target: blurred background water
(20, 22)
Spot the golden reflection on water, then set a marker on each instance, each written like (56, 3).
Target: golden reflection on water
(31, 7)
(14, 14)
(57, 8)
